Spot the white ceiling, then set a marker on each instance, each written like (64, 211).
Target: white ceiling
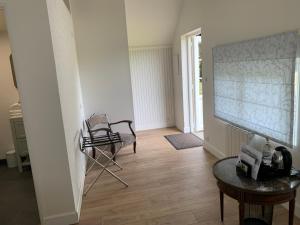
(2, 22)
(152, 22)
(149, 22)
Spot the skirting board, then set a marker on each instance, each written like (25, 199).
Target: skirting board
(153, 126)
(213, 150)
(61, 219)
(186, 130)
(69, 217)
(66, 218)
(183, 129)
(78, 208)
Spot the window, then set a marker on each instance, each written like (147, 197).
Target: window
(254, 85)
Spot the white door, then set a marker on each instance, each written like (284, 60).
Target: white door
(198, 99)
(195, 83)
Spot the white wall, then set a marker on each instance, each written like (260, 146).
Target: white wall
(224, 22)
(38, 57)
(8, 95)
(151, 23)
(151, 26)
(101, 39)
(65, 55)
(219, 24)
(152, 87)
(2, 21)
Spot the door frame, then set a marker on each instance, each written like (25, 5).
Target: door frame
(187, 63)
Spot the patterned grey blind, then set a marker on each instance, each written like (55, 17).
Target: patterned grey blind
(254, 85)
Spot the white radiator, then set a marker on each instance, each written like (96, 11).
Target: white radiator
(235, 138)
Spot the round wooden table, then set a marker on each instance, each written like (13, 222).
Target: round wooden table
(248, 191)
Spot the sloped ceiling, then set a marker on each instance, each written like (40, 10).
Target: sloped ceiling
(151, 22)
(2, 22)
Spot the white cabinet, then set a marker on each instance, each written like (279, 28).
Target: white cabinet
(19, 138)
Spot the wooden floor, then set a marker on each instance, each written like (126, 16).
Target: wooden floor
(166, 187)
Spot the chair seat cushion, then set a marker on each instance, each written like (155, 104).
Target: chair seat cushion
(127, 139)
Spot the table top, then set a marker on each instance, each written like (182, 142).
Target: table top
(225, 171)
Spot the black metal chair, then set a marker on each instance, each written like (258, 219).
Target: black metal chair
(97, 122)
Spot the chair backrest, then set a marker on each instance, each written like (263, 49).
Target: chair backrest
(97, 120)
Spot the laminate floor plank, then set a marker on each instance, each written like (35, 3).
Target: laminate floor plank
(166, 187)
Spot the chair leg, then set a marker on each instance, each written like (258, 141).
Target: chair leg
(94, 153)
(113, 151)
(134, 147)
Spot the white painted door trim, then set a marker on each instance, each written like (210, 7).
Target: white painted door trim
(187, 79)
(197, 99)
(191, 86)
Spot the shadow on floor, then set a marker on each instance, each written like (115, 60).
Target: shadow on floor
(18, 204)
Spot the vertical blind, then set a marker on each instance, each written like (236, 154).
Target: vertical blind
(254, 85)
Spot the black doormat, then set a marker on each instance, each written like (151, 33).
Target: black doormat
(184, 141)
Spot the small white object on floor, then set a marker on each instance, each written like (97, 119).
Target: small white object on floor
(11, 159)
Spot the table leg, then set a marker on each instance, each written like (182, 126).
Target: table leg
(222, 205)
(291, 211)
(241, 212)
(271, 219)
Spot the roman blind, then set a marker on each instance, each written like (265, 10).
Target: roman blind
(254, 85)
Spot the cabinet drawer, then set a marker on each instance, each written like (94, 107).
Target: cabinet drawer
(22, 148)
(19, 129)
